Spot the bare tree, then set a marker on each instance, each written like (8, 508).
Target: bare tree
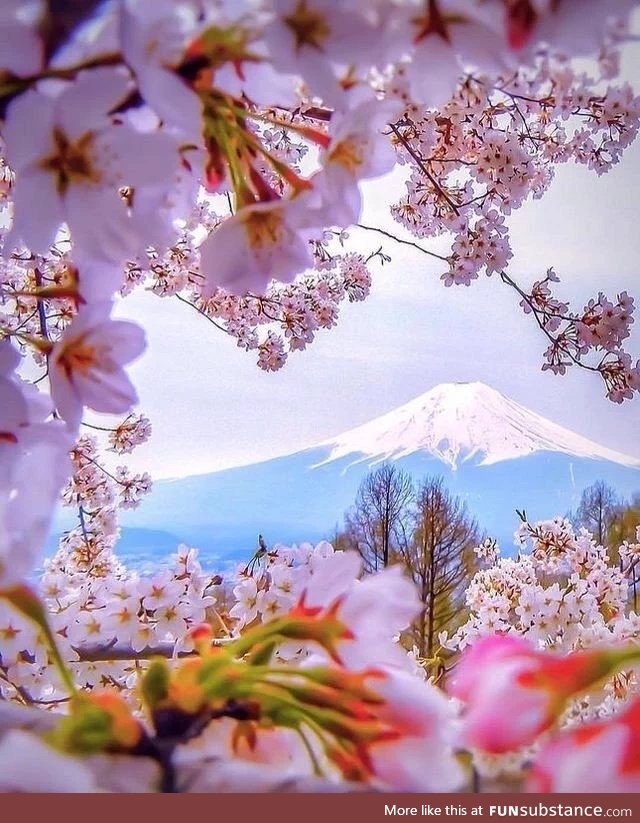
(597, 510)
(624, 522)
(623, 527)
(440, 559)
(376, 526)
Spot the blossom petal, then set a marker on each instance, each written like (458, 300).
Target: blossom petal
(99, 224)
(21, 49)
(27, 130)
(85, 104)
(38, 210)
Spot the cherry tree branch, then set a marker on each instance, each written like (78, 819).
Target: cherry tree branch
(507, 280)
(511, 283)
(104, 652)
(403, 242)
(62, 19)
(204, 314)
(423, 168)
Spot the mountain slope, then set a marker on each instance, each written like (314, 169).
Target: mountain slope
(458, 422)
(492, 452)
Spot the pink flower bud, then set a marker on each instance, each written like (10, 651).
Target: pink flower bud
(514, 692)
(595, 757)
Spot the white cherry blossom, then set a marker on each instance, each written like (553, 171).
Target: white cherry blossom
(357, 150)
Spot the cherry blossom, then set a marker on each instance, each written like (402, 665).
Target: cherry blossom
(246, 608)
(131, 433)
(260, 243)
(356, 151)
(318, 576)
(320, 40)
(26, 508)
(76, 161)
(422, 758)
(30, 445)
(594, 757)
(85, 365)
(505, 674)
(212, 153)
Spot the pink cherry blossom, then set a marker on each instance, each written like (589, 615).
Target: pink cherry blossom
(30, 445)
(319, 39)
(593, 757)
(261, 242)
(26, 508)
(86, 364)
(502, 676)
(421, 759)
(357, 150)
(283, 107)
(71, 161)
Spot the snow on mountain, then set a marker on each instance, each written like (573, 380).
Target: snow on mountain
(467, 433)
(460, 422)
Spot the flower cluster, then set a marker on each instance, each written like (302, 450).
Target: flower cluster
(300, 620)
(504, 675)
(280, 319)
(102, 617)
(493, 146)
(564, 594)
(318, 686)
(213, 152)
(601, 327)
(149, 118)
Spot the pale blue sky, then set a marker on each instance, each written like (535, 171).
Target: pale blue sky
(211, 407)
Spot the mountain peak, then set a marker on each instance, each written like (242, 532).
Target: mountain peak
(459, 422)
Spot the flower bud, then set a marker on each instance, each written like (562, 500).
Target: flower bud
(504, 676)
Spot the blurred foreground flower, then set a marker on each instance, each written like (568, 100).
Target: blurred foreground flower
(595, 757)
(513, 693)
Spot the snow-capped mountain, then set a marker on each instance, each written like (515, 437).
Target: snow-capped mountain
(459, 422)
(492, 452)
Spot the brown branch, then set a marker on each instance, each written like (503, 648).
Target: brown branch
(403, 242)
(99, 652)
(202, 313)
(21, 691)
(62, 19)
(423, 168)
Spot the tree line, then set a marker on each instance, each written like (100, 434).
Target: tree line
(426, 529)
(431, 533)
(612, 520)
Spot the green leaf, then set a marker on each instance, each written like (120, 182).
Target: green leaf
(155, 683)
(262, 653)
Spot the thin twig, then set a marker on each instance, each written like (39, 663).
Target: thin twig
(204, 314)
(423, 168)
(403, 242)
